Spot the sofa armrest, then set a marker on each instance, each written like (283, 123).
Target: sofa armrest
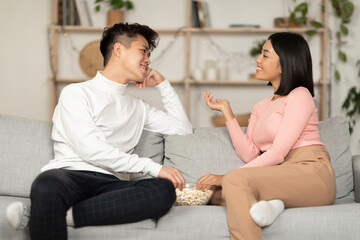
(356, 169)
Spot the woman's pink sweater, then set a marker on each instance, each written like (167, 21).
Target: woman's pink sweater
(276, 127)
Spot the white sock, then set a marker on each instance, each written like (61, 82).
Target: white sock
(17, 215)
(264, 213)
(70, 218)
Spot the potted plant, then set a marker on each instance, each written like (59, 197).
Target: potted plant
(115, 14)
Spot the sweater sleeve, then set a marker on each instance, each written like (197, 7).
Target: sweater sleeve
(298, 109)
(174, 120)
(243, 144)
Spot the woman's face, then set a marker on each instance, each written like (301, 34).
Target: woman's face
(268, 65)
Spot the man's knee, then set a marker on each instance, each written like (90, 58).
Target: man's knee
(168, 190)
(166, 198)
(47, 183)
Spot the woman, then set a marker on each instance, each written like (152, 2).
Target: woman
(286, 163)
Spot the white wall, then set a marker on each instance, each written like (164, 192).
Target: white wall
(24, 84)
(24, 68)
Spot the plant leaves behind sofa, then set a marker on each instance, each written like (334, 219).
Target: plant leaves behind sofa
(25, 146)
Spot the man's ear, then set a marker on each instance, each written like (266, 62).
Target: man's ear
(117, 49)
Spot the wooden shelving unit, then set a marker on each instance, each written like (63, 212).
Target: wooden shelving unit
(188, 33)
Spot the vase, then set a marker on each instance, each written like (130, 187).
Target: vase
(115, 16)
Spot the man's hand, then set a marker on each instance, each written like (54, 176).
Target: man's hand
(206, 181)
(174, 175)
(151, 79)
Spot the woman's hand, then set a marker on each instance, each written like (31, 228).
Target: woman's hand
(204, 183)
(219, 105)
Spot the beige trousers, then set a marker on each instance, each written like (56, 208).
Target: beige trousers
(305, 179)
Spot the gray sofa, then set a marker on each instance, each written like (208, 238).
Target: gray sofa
(26, 146)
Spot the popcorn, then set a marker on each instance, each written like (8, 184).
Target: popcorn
(192, 197)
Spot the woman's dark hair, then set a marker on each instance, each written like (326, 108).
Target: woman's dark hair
(295, 61)
(125, 34)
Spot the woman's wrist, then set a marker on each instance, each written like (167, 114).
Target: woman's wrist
(227, 113)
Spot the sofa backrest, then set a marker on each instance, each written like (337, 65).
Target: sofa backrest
(26, 146)
(209, 150)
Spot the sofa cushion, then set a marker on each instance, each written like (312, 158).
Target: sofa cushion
(209, 150)
(151, 145)
(26, 146)
(334, 133)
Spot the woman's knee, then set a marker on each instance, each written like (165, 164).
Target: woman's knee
(238, 180)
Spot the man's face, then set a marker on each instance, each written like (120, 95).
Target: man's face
(135, 59)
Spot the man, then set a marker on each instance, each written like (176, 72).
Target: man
(96, 126)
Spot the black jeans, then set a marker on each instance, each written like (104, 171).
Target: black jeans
(96, 199)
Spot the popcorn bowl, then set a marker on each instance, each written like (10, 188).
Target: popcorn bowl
(190, 196)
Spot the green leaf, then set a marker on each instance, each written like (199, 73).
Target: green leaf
(97, 1)
(129, 5)
(358, 62)
(347, 11)
(316, 24)
(97, 8)
(342, 56)
(335, 4)
(344, 29)
(292, 17)
(337, 75)
(302, 7)
(311, 32)
(301, 20)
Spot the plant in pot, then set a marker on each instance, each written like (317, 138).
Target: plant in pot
(297, 18)
(115, 14)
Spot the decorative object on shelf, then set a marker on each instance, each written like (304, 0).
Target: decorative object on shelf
(210, 70)
(200, 14)
(91, 59)
(298, 17)
(223, 72)
(82, 11)
(243, 120)
(115, 14)
(198, 74)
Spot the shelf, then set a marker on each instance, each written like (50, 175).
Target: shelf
(190, 33)
(60, 28)
(230, 83)
(252, 30)
(77, 80)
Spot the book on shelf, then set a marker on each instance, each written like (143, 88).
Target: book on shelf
(200, 14)
(67, 13)
(82, 10)
(60, 10)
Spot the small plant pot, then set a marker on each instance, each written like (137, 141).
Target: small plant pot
(283, 22)
(115, 16)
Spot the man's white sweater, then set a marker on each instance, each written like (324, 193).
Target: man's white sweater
(96, 126)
